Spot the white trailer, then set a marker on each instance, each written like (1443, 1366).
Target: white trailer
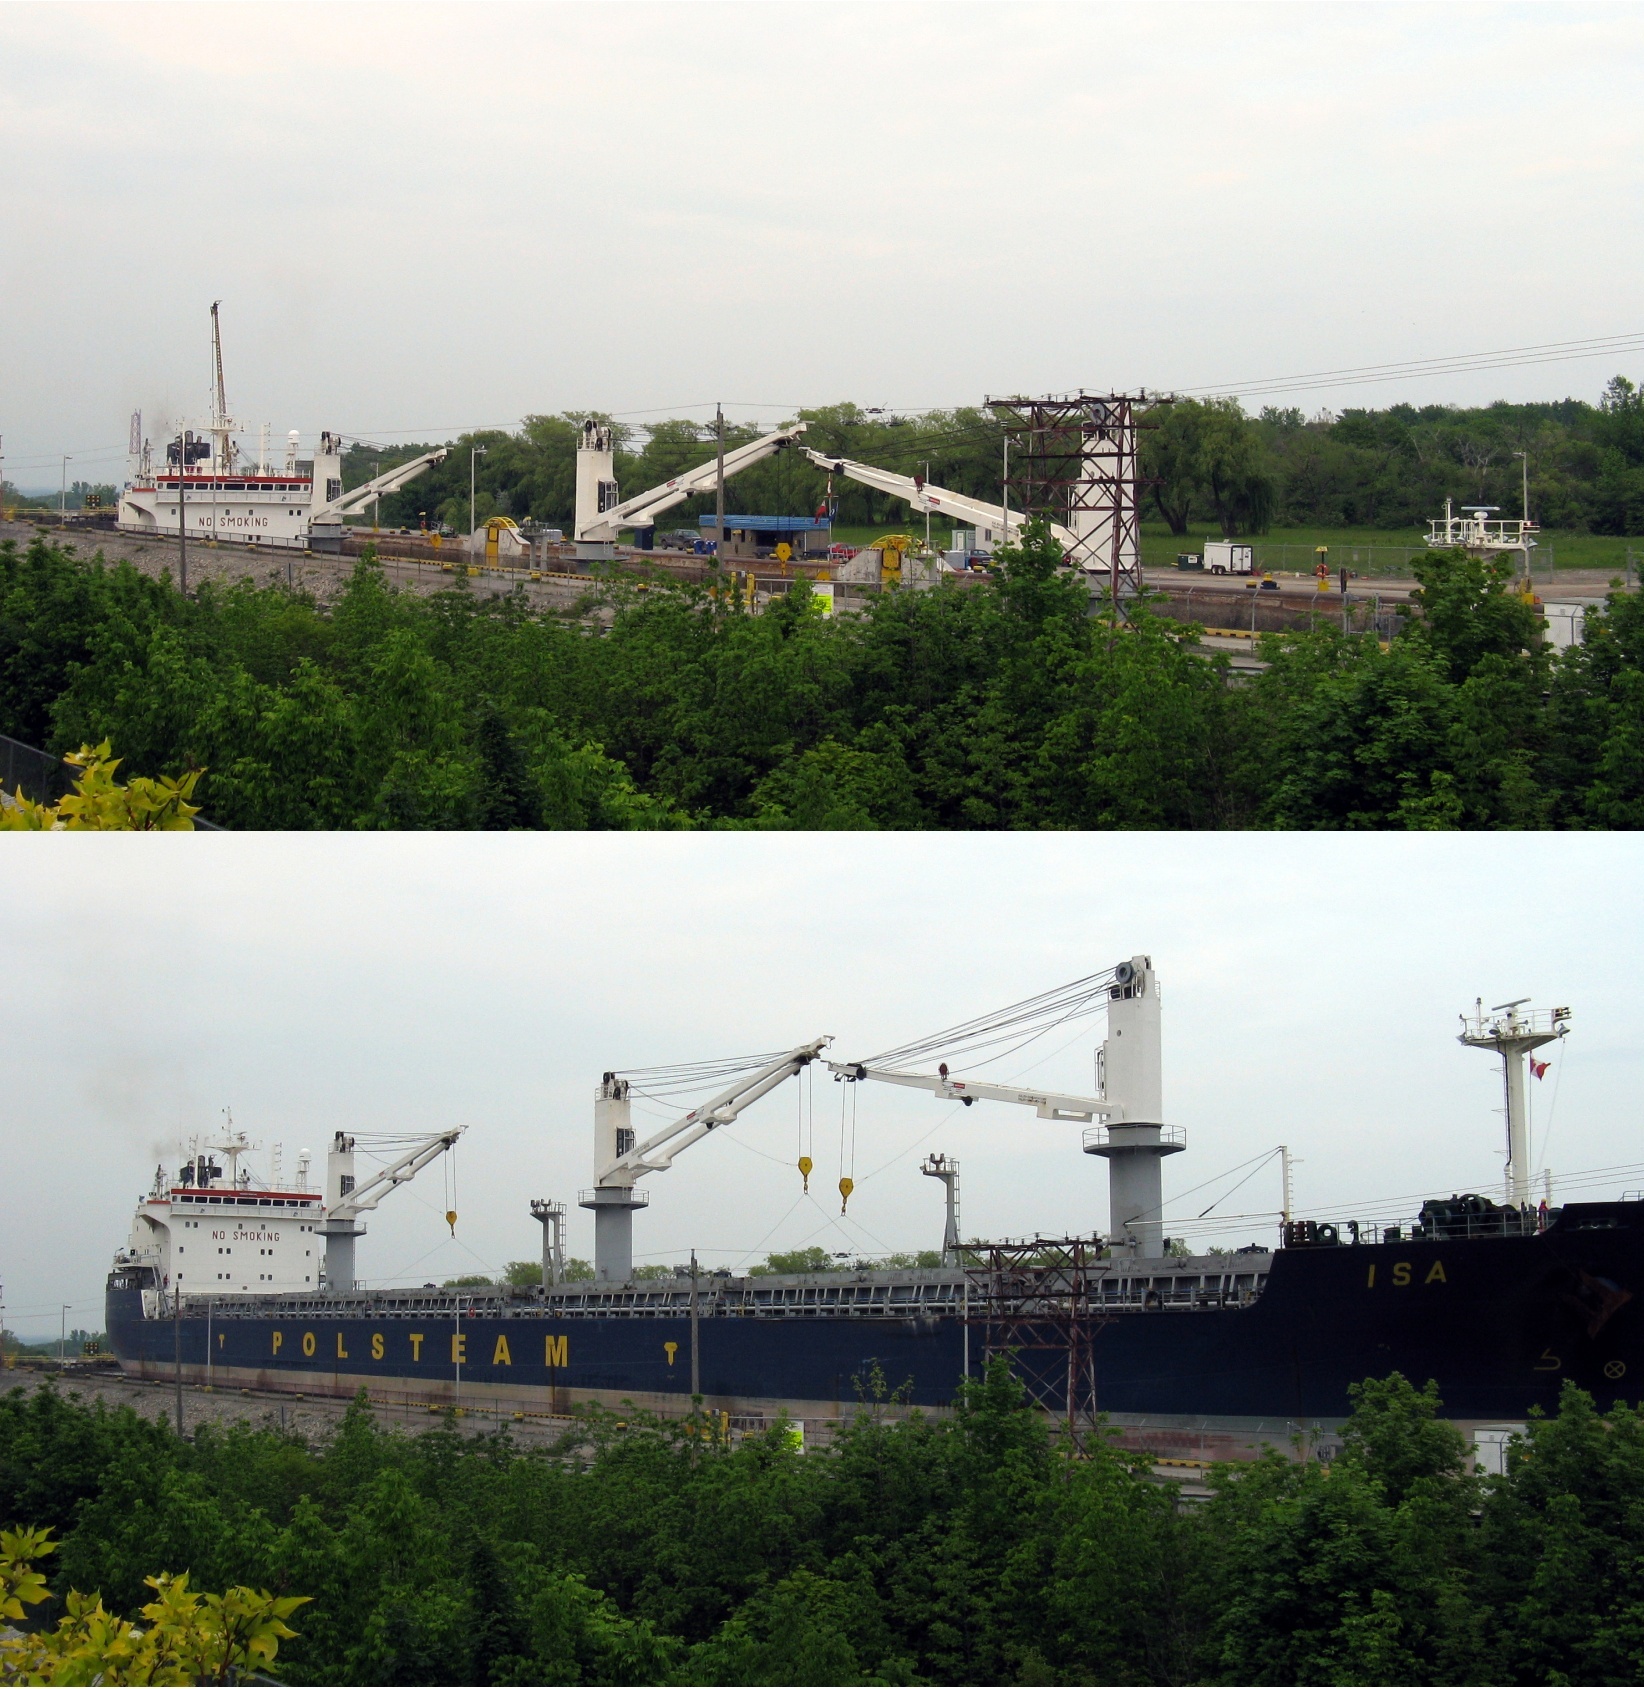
(1228, 557)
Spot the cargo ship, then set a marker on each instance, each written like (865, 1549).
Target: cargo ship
(210, 488)
(244, 1283)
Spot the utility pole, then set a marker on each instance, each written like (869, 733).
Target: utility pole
(177, 1345)
(696, 1365)
(1524, 460)
(62, 1330)
(1284, 1162)
(927, 505)
(719, 486)
(182, 579)
(376, 503)
(62, 493)
(1005, 502)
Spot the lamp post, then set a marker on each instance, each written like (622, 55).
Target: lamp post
(62, 492)
(473, 452)
(1524, 460)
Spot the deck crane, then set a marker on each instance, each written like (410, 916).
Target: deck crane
(599, 516)
(925, 495)
(390, 481)
(620, 1162)
(1125, 1122)
(345, 1200)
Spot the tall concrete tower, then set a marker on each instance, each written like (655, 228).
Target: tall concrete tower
(613, 1204)
(596, 482)
(1135, 1140)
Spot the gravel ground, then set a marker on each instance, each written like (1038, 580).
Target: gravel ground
(316, 573)
(311, 1417)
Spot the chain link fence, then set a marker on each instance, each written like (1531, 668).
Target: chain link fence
(1256, 612)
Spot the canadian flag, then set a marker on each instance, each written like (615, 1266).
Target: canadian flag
(1538, 1068)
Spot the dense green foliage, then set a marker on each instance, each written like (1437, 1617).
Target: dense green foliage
(965, 1549)
(997, 703)
(1390, 468)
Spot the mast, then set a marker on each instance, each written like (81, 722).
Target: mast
(221, 427)
(946, 1169)
(1512, 1031)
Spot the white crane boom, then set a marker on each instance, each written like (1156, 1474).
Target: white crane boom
(1049, 1105)
(359, 1198)
(656, 1154)
(390, 481)
(642, 510)
(925, 495)
(345, 1201)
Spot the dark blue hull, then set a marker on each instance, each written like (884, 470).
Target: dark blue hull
(1501, 1323)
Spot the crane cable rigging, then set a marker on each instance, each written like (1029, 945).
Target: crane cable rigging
(1014, 1026)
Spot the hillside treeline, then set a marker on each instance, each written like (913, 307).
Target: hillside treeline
(964, 1550)
(1210, 465)
(1002, 702)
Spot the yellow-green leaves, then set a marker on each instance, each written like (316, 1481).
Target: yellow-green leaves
(186, 1636)
(99, 804)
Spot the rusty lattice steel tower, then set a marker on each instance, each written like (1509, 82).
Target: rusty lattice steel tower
(1073, 460)
(1038, 1301)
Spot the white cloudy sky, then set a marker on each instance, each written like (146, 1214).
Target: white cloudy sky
(1311, 989)
(431, 217)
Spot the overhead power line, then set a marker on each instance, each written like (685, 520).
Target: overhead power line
(1548, 352)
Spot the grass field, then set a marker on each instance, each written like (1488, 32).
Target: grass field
(1383, 551)
(1367, 551)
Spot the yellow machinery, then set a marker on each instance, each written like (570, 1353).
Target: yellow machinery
(495, 527)
(892, 548)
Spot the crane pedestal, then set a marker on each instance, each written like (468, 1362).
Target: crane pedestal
(613, 1207)
(339, 1238)
(1134, 1151)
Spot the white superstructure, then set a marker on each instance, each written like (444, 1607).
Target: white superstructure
(208, 1232)
(225, 498)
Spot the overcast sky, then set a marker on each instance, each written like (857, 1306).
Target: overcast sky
(421, 219)
(1311, 988)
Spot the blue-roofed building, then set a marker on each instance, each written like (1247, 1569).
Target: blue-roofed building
(751, 537)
